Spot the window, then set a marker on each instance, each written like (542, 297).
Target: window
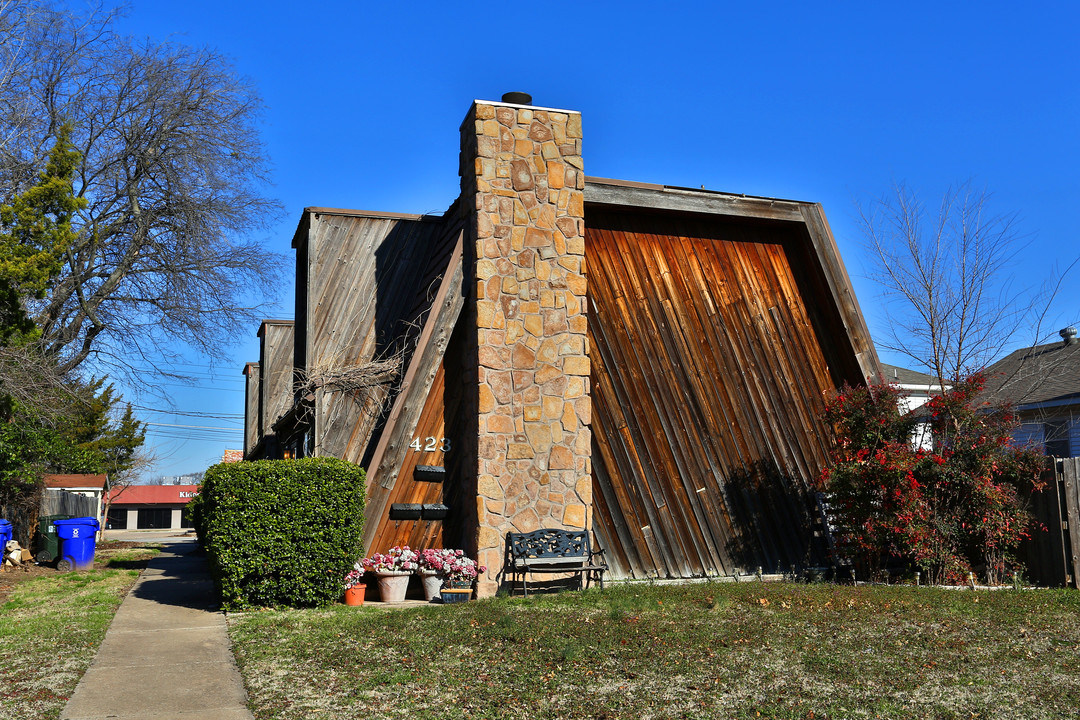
(155, 518)
(1056, 438)
(117, 519)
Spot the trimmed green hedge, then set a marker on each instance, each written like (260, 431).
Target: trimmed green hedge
(281, 532)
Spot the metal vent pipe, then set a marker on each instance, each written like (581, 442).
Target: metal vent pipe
(517, 98)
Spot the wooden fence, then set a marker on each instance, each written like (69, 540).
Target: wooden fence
(1052, 555)
(23, 512)
(23, 515)
(61, 502)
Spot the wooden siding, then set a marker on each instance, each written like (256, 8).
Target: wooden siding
(713, 340)
(384, 533)
(1051, 555)
(830, 298)
(419, 402)
(252, 429)
(369, 279)
(276, 372)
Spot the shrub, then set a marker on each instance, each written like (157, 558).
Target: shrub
(194, 509)
(281, 532)
(947, 510)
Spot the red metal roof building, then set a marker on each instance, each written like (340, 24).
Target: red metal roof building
(146, 507)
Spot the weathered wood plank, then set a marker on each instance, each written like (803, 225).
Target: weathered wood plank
(842, 294)
(707, 390)
(252, 422)
(414, 533)
(393, 443)
(1046, 553)
(1071, 472)
(627, 513)
(683, 200)
(367, 278)
(626, 436)
(276, 371)
(654, 467)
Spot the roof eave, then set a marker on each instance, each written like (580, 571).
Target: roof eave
(605, 191)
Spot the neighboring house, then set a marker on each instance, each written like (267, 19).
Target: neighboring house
(91, 486)
(645, 361)
(1042, 383)
(146, 507)
(918, 388)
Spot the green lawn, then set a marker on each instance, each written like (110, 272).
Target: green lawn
(50, 629)
(51, 625)
(749, 650)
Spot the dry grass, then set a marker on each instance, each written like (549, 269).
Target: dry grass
(700, 651)
(51, 625)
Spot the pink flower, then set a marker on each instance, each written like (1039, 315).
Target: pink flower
(451, 564)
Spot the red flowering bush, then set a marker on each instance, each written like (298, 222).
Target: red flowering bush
(948, 510)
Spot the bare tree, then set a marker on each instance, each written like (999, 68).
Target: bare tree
(118, 480)
(174, 173)
(950, 301)
(16, 21)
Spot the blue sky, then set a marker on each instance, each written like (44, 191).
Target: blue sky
(831, 103)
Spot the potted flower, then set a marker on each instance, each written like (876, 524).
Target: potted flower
(392, 570)
(354, 585)
(431, 571)
(453, 570)
(463, 571)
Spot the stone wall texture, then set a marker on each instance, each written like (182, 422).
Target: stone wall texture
(533, 469)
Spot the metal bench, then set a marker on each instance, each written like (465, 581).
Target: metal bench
(553, 551)
(826, 520)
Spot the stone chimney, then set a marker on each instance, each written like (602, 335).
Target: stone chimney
(522, 191)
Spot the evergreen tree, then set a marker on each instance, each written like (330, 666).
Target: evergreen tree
(49, 421)
(35, 231)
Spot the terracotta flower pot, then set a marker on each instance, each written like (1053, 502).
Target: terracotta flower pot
(392, 585)
(432, 582)
(355, 594)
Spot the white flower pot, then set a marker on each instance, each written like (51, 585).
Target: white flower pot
(432, 582)
(392, 585)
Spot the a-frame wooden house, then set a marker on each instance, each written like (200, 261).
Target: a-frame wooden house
(644, 361)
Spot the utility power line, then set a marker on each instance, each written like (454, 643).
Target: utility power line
(191, 427)
(228, 417)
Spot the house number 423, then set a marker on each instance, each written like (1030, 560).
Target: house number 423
(431, 444)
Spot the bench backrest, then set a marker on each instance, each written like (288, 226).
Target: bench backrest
(549, 543)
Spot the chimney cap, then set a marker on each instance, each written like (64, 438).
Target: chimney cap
(517, 98)
(1069, 335)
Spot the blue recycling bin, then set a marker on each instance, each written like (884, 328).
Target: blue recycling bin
(77, 540)
(5, 534)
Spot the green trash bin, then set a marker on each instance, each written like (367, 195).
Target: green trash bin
(46, 541)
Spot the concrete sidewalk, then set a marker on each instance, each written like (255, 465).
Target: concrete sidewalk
(166, 654)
